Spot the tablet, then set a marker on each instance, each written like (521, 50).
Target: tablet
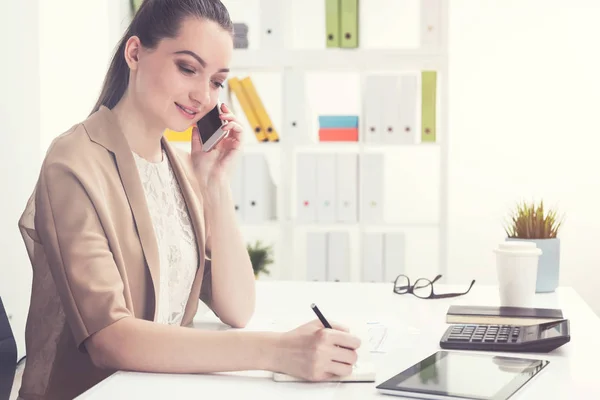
(458, 375)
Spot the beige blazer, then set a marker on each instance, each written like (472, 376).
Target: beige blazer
(89, 236)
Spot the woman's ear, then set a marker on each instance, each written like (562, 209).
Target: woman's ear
(133, 48)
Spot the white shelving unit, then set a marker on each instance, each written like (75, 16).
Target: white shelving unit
(275, 55)
(275, 29)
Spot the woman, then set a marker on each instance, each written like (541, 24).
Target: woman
(126, 234)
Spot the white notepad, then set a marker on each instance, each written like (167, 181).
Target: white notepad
(363, 372)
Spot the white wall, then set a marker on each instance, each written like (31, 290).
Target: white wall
(524, 96)
(19, 152)
(76, 43)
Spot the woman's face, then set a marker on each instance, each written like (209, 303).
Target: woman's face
(177, 83)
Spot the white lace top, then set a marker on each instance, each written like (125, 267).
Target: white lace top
(175, 236)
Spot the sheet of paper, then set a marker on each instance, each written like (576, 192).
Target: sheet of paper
(385, 337)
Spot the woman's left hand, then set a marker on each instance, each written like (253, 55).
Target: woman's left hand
(212, 168)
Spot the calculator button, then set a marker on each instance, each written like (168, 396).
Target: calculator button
(458, 339)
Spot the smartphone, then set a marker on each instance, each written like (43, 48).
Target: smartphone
(210, 130)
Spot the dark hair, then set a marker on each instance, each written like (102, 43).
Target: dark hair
(155, 20)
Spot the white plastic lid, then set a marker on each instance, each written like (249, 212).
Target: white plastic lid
(519, 246)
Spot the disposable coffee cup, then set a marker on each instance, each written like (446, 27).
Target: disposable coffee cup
(517, 265)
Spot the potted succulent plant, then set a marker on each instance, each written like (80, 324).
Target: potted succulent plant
(530, 222)
(261, 256)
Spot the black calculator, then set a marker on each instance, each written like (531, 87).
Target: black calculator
(541, 338)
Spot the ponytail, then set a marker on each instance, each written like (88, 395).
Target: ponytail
(116, 80)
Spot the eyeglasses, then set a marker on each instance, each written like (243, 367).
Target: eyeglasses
(423, 288)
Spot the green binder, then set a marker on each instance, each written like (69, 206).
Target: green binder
(332, 23)
(349, 23)
(135, 5)
(428, 106)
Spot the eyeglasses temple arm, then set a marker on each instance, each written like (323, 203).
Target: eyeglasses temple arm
(445, 295)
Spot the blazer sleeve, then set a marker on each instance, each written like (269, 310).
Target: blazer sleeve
(206, 289)
(77, 251)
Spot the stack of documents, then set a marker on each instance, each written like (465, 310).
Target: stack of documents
(338, 128)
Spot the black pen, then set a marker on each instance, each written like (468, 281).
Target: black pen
(321, 317)
(325, 323)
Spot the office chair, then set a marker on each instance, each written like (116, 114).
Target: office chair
(8, 355)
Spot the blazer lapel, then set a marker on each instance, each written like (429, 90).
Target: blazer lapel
(104, 129)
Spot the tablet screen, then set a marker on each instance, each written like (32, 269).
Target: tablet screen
(470, 376)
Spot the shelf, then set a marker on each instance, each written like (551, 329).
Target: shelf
(396, 226)
(387, 146)
(256, 147)
(327, 226)
(336, 58)
(367, 226)
(259, 225)
(351, 147)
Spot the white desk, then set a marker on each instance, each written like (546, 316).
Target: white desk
(415, 327)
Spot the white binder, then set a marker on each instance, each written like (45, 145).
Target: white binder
(306, 187)
(237, 187)
(295, 112)
(273, 20)
(347, 187)
(374, 91)
(326, 187)
(391, 129)
(259, 190)
(316, 256)
(338, 256)
(430, 24)
(372, 257)
(372, 188)
(408, 90)
(394, 255)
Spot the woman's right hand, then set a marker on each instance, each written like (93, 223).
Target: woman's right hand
(315, 353)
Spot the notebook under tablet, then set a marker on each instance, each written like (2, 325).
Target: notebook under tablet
(461, 375)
